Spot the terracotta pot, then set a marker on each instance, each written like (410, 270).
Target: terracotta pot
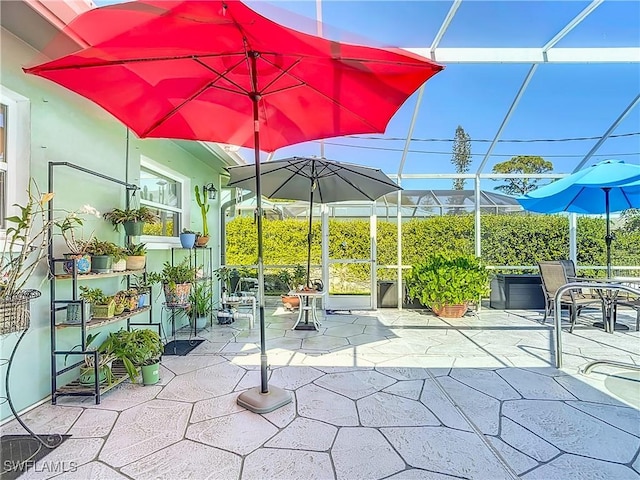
(451, 311)
(201, 240)
(136, 262)
(290, 302)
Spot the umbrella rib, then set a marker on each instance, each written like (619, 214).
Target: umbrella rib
(109, 63)
(356, 172)
(295, 170)
(336, 172)
(624, 194)
(197, 93)
(282, 74)
(224, 75)
(573, 199)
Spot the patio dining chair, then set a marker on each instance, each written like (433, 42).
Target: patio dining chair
(553, 276)
(571, 272)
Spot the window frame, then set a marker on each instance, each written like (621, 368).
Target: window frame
(156, 242)
(17, 164)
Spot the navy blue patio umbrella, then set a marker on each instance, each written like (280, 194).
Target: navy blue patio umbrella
(608, 186)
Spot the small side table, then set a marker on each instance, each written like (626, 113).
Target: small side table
(173, 310)
(308, 303)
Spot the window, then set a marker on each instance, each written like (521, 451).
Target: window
(15, 132)
(164, 191)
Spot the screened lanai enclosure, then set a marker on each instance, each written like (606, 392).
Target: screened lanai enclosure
(557, 82)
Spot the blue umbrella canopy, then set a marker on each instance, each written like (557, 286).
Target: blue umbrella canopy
(608, 186)
(585, 190)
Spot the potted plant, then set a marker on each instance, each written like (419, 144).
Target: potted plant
(121, 300)
(136, 256)
(102, 255)
(24, 246)
(137, 349)
(77, 256)
(176, 281)
(132, 299)
(447, 284)
(118, 345)
(105, 358)
(201, 301)
(142, 285)
(202, 240)
(102, 306)
(145, 348)
(294, 280)
(187, 238)
(119, 255)
(133, 219)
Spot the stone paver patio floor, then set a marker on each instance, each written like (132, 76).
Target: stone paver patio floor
(388, 394)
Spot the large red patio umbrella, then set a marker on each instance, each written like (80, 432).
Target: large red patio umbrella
(218, 71)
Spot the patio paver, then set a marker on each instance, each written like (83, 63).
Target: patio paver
(387, 394)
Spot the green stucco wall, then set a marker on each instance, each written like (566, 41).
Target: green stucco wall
(68, 128)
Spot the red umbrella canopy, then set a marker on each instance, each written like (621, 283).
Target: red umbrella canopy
(192, 69)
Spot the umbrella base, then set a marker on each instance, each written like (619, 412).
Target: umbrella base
(618, 327)
(257, 402)
(305, 326)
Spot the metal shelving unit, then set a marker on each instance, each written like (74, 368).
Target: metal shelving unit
(199, 256)
(75, 388)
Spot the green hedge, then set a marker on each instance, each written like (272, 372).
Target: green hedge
(506, 240)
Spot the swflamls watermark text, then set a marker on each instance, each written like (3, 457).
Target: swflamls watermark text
(39, 466)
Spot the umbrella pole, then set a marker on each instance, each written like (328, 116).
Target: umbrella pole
(309, 238)
(608, 238)
(306, 325)
(260, 400)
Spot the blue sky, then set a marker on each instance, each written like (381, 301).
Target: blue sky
(562, 101)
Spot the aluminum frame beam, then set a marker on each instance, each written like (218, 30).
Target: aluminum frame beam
(572, 24)
(608, 133)
(445, 25)
(536, 55)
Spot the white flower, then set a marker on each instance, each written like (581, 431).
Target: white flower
(89, 210)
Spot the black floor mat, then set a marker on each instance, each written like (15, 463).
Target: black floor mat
(22, 452)
(181, 347)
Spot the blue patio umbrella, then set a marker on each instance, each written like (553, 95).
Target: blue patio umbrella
(608, 186)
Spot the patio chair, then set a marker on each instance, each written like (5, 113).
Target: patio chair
(571, 272)
(554, 276)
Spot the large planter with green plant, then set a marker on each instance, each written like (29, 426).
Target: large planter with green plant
(132, 219)
(176, 281)
(448, 284)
